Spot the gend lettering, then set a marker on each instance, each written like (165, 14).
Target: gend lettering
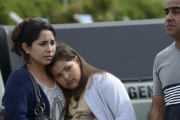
(137, 92)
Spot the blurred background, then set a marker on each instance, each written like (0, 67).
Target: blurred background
(80, 11)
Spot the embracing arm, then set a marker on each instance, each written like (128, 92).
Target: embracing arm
(117, 98)
(157, 110)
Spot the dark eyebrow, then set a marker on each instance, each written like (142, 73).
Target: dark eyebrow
(43, 41)
(47, 40)
(175, 7)
(65, 67)
(166, 9)
(55, 74)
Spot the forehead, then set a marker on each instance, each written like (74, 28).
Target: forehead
(46, 33)
(172, 3)
(61, 63)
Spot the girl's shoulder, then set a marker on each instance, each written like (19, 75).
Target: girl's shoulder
(105, 79)
(104, 76)
(103, 82)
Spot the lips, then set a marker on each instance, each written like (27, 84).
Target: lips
(169, 26)
(70, 82)
(48, 57)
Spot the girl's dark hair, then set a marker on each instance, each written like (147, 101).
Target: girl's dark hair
(65, 52)
(27, 32)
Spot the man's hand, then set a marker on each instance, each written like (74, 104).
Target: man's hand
(157, 110)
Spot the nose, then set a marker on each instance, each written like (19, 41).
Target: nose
(49, 48)
(169, 16)
(66, 76)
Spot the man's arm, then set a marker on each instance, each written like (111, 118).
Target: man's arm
(157, 110)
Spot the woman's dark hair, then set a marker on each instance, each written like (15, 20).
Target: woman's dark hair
(65, 52)
(27, 32)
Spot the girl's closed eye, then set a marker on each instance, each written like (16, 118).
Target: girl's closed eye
(57, 76)
(68, 68)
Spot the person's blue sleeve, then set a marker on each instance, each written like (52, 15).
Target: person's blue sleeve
(16, 100)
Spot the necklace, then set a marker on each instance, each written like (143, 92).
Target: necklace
(75, 107)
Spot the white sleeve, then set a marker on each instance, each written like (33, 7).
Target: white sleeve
(117, 99)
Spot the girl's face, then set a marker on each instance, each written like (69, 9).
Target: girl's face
(67, 73)
(43, 49)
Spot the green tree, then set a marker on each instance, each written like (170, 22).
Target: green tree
(139, 9)
(27, 9)
(101, 10)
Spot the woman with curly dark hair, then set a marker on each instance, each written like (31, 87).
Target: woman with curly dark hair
(34, 39)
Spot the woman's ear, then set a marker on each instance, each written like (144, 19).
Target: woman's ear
(77, 60)
(26, 48)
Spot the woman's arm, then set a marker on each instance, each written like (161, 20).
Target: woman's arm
(16, 98)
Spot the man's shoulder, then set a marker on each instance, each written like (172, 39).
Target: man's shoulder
(166, 52)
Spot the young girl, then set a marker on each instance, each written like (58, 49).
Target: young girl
(34, 39)
(90, 93)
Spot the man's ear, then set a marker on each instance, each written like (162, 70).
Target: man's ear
(77, 60)
(26, 48)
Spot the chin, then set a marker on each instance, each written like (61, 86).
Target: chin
(71, 88)
(171, 34)
(47, 63)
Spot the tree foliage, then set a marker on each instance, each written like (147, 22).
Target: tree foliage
(27, 9)
(101, 10)
(141, 9)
